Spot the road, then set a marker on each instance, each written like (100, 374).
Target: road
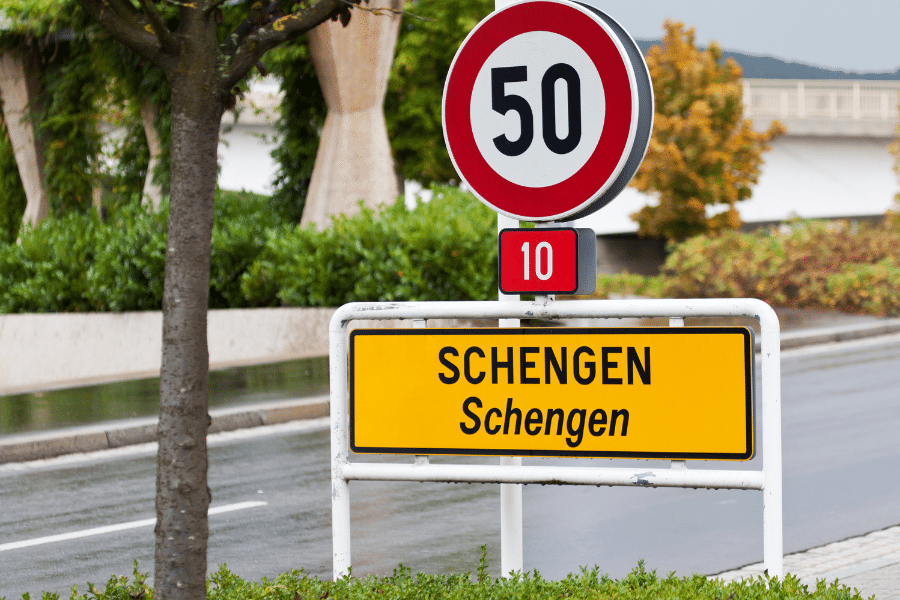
(841, 451)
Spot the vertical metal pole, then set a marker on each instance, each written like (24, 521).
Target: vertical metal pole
(677, 464)
(340, 448)
(511, 538)
(773, 534)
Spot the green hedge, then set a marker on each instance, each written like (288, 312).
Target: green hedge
(640, 584)
(128, 269)
(47, 272)
(806, 264)
(443, 250)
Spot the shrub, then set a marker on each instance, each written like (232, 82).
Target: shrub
(640, 584)
(813, 264)
(78, 263)
(239, 235)
(47, 272)
(866, 288)
(129, 268)
(627, 284)
(790, 266)
(443, 250)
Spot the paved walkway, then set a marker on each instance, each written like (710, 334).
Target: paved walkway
(868, 563)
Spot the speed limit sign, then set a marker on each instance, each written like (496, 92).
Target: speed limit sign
(547, 110)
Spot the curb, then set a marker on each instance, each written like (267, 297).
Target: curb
(25, 447)
(844, 333)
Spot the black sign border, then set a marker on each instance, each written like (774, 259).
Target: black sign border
(749, 389)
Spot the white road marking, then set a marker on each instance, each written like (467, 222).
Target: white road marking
(72, 535)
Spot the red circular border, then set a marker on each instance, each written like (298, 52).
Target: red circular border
(528, 203)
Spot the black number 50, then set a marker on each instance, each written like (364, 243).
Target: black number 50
(502, 103)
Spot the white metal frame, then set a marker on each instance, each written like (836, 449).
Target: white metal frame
(511, 471)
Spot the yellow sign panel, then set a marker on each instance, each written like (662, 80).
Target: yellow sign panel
(674, 393)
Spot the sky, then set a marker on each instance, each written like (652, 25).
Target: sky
(861, 35)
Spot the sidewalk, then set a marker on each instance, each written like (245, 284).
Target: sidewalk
(869, 563)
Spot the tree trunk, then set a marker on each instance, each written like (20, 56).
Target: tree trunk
(182, 497)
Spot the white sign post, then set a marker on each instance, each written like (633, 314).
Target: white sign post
(548, 110)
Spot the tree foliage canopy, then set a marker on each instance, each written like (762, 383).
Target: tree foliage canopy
(895, 150)
(89, 83)
(300, 120)
(425, 48)
(704, 156)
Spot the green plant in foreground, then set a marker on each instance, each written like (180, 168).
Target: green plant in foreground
(402, 584)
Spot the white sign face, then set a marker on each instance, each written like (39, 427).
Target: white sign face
(537, 109)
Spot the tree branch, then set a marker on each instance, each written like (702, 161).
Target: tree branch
(384, 11)
(213, 6)
(256, 18)
(123, 22)
(262, 39)
(166, 39)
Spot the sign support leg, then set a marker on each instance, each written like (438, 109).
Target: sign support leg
(340, 486)
(511, 538)
(773, 535)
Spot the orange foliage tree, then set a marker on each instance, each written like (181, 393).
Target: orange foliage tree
(895, 150)
(704, 156)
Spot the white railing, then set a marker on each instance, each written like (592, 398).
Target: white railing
(822, 100)
(768, 479)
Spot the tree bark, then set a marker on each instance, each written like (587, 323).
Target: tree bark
(183, 498)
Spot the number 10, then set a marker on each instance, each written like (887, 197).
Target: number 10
(541, 274)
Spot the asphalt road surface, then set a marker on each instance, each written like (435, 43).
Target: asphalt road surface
(841, 416)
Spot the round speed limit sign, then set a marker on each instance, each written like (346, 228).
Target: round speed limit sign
(547, 110)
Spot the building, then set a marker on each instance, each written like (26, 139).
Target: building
(833, 161)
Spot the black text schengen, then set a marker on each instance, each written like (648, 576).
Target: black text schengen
(535, 365)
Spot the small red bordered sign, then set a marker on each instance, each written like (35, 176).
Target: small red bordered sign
(547, 110)
(547, 260)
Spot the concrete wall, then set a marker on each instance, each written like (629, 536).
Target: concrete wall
(52, 351)
(46, 351)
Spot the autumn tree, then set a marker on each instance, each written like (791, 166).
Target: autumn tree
(895, 150)
(205, 48)
(704, 156)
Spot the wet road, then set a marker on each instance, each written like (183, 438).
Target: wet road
(841, 451)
